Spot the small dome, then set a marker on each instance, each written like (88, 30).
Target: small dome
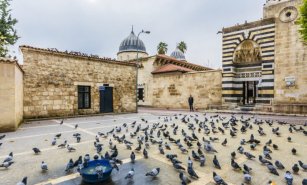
(130, 44)
(177, 54)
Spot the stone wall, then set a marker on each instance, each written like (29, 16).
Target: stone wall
(51, 79)
(290, 61)
(172, 90)
(11, 95)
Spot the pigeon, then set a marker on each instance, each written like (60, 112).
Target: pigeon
(53, 141)
(304, 182)
(6, 164)
(202, 160)
(130, 174)
(153, 173)
(9, 157)
(288, 178)
(249, 155)
(216, 163)
(247, 169)
(177, 166)
(192, 173)
(23, 181)
(209, 148)
(235, 165)
(302, 165)
(247, 177)
(293, 151)
(184, 179)
(275, 147)
(190, 162)
(70, 149)
(218, 180)
(264, 161)
(295, 168)
(233, 155)
(62, 121)
(36, 150)
(224, 142)
(58, 136)
(132, 157)
(279, 165)
(76, 126)
(145, 153)
(289, 139)
(3, 136)
(44, 166)
(69, 166)
(63, 145)
(272, 169)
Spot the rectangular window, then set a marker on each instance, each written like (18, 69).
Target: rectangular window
(140, 94)
(84, 97)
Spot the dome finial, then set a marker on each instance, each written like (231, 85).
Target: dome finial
(132, 29)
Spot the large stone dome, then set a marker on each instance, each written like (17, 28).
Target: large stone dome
(177, 54)
(132, 44)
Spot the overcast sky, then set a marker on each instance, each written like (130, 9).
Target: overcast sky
(99, 26)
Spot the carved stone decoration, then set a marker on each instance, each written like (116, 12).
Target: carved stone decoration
(248, 52)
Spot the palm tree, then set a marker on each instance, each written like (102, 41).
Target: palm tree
(162, 48)
(182, 46)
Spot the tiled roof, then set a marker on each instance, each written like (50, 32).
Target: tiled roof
(11, 61)
(188, 65)
(171, 68)
(77, 54)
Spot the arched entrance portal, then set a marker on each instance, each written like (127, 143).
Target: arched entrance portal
(247, 61)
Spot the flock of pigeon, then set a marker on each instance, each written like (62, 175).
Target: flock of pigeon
(195, 137)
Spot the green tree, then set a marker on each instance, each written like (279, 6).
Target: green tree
(8, 35)
(302, 21)
(162, 48)
(182, 46)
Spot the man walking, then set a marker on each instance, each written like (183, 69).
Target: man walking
(191, 101)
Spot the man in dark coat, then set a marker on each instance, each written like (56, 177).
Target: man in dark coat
(191, 101)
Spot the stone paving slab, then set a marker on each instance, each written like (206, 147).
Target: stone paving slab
(28, 164)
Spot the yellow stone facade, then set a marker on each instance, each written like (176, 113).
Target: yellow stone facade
(11, 95)
(51, 79)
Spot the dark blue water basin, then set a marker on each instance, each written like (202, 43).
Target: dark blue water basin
(97, 171)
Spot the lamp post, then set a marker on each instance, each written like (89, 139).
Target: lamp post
(137, 67)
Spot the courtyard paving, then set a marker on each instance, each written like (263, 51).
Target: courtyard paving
(40, 134)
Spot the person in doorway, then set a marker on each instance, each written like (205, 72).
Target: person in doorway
(191, 101)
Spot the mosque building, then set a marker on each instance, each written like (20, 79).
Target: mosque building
(167, 81)
(264, 68)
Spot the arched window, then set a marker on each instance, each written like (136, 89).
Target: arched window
(248, 52)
